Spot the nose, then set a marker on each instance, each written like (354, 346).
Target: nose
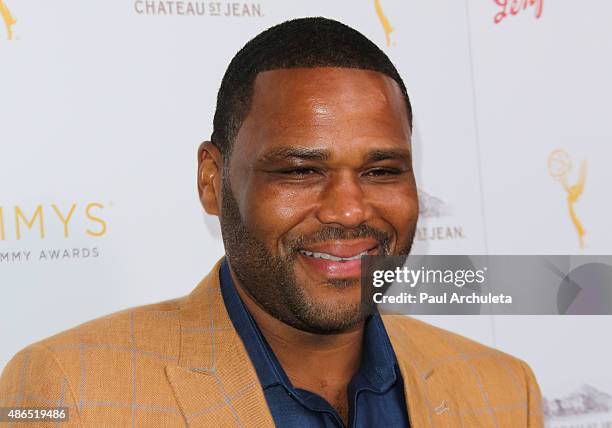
(344, 203)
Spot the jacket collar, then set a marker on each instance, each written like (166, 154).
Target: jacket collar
(214, 380)
(417, 370)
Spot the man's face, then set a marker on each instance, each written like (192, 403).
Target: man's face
(319, 175)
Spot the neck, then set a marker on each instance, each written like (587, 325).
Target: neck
(319, 363)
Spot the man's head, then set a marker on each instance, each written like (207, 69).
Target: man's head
(309, 168)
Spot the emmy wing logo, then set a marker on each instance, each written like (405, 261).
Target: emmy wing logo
(8, 19)
(384, 21)
(559, 167)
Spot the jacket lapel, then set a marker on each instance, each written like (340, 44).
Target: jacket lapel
(215, 383)
(416, 372)
(432, 398)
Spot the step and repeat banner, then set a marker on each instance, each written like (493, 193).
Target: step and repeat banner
(103, 105)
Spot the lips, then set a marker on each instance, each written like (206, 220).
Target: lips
(343, 248)
(338, 259)
(325, 256)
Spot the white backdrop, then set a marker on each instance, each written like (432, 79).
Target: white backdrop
(103, 104)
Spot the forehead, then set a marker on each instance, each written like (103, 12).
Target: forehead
(307, 89)
(314, 106)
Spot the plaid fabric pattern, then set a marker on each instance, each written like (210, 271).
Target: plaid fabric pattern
(181, 363)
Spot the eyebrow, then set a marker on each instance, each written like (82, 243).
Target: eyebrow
(304, 153)
(390, 154)
(286, 153)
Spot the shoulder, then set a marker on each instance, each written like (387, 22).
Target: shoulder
(465, 375)
(51, 368)
(434, 348)
(150, 324)
(433, 342)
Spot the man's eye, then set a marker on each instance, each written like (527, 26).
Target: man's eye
(298, 172)
(383, 172)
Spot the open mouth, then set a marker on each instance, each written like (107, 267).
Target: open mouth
(325, 256)
(339, 259)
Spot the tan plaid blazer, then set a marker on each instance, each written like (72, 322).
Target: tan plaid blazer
(181, 363)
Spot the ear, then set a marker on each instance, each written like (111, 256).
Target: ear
(210, 163)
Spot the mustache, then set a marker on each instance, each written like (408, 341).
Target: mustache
(327, 233)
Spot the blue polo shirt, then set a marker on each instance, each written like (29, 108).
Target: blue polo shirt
(375, 393)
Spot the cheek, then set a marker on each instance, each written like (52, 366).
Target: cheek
(272, 212)
(399, 208)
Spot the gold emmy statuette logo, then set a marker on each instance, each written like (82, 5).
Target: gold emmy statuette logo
(8, 19)
(559, 167)
(383, 20)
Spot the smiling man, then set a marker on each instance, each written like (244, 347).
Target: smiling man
(308, 169)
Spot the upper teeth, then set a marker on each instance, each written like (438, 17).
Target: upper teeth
(332, 258)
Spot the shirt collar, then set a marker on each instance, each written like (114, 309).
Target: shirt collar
(378, 370)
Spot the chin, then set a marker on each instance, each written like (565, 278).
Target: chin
(334, 326)
(329, 316)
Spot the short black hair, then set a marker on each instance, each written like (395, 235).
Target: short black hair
(299, 43)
